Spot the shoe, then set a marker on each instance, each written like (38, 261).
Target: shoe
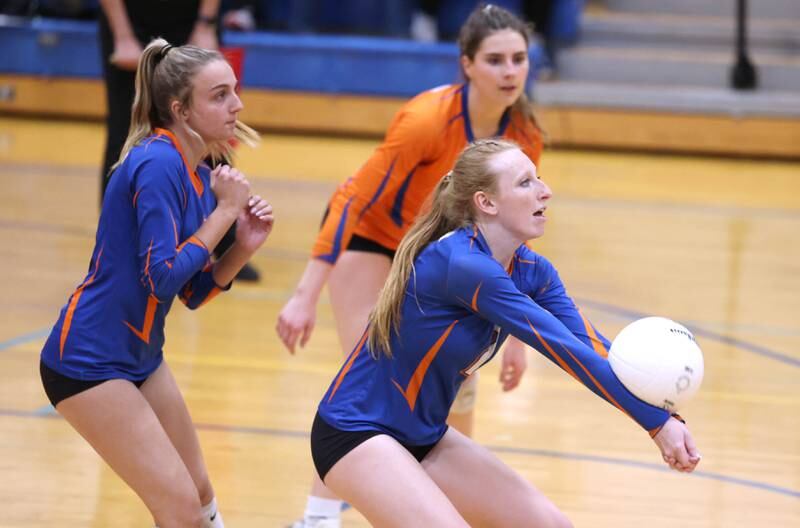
(319, 522)
(248, 274)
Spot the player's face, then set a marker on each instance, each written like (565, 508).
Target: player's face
(215, 105)
(521, 197)
(500, 67)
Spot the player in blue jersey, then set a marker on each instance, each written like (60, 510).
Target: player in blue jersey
(163, 213)
(461, 283)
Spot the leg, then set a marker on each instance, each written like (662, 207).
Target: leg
(408, 498)
(113, 417)
(161, 392)
(120, 90)
(351, 306)
(486, 491)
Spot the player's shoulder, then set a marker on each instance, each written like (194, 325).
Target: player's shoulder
(156, 161)
(433, 108)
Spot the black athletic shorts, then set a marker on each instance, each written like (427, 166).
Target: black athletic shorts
(329, 445)
(359, 243)
(59, 387)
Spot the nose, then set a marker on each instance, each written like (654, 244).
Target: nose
(237, 103)
(545, 193)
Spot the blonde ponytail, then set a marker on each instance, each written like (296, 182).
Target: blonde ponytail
(448, 208)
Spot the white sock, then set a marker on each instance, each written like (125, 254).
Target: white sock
(317, 507)
(212, 518)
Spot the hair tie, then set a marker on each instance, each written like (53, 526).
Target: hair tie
(163, 53)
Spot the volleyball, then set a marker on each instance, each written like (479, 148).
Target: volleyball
(658, 360)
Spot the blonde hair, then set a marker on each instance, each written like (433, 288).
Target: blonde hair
(449, 207)
(484, 20)
(165, 74)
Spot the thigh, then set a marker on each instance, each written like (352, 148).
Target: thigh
(121, 426)
(163, 395)
(485, 490)
(351, 306)
(388, 486)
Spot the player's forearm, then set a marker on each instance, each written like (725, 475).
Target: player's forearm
(208, 9)
(117, 18)
(314, 278)
(226, 268)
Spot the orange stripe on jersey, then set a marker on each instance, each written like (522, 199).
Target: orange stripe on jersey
(147, 267)
(415, 384)
(213, 293)
(192, 240)
(197, 183)
(346, 368)
(598, 345)
(73, 304)
(597, 383)
(474, 304)
(147, 325)
(563, 364)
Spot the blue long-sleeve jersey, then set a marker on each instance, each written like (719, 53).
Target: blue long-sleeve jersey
(459, 307)
(145, 254)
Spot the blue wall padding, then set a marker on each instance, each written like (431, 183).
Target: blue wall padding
(329, 64)
(358, 65)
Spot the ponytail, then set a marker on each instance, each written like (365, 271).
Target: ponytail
(448, 208)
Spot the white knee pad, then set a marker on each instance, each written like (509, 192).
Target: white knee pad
(465, 399)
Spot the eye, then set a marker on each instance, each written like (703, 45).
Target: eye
(526, 182)
(493, 60)
(220, 96)
(520, 59)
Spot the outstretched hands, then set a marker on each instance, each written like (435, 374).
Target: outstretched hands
(677, 446)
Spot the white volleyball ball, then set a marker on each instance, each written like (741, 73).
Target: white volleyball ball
(658, 360)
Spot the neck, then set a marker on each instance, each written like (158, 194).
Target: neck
(500, 243)
(484, 116)
(193, 147)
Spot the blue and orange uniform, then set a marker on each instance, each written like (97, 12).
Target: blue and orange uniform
(459, 307)
(380, 202)
(145, 254)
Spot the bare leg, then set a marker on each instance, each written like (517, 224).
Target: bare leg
(408, 498)
(161, 391)
(118, 422)
(486, 491)
(351, 306)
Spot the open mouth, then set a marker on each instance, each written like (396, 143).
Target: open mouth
(540, 212)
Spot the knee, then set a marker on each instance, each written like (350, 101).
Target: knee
(465, 398)
(181, 510)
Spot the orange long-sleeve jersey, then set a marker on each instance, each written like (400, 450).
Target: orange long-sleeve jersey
(423, 141)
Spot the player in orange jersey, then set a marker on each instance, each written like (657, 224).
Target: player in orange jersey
(369, 214)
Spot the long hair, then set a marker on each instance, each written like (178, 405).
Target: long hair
(165, 74)
(449, 207)
(482, 22)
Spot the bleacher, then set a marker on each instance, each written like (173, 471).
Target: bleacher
(632, 75)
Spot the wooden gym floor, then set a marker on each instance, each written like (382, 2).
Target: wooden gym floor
(713, 243)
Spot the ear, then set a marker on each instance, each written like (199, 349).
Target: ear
(466, 66)
(484, 203)
(178, 111)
